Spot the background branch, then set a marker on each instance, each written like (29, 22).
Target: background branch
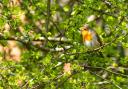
(48, 15)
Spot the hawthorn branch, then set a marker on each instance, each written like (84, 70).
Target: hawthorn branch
(31, 42)
(51, 39)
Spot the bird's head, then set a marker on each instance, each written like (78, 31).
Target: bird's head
(84, 29)
(85, 33)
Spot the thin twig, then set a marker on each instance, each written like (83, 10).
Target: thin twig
(97, 49)
(26, 83)
(101, 68)
(103, 12)
(106, 81)
(66, 80)
(116, 85)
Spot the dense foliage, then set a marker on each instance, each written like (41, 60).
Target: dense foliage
(41, 46)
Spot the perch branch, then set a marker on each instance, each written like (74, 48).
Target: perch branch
(97, 49)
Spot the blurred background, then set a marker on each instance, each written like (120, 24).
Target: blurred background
(41, 45)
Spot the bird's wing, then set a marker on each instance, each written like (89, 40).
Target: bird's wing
(96, 36)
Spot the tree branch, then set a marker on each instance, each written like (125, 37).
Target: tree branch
(52, 39)
(30, 42)
(101, 68)
(106, 81)
(97, 49)
(48, 15)
(103, 12)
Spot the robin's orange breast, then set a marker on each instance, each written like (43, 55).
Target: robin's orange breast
(88, 37)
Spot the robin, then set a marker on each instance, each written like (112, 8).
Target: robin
(90, 37)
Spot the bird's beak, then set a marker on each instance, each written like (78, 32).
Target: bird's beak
(80, 29)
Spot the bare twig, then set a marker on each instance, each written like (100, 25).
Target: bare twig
(101, 68)
(57, 49)
(66, 80)
(116, 85)
(89, 51)
(27, 42)
(27, 82)
(103, 82)
(52, 39)
(103, 12)
(106, 81)
(51, 20)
